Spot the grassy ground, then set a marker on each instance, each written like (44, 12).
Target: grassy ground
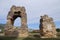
(32, 36)
(58, 34)
(28, 38)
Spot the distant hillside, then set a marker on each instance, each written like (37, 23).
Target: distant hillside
(58, 29)
(2, 26)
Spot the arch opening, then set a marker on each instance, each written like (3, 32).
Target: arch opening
(17, 22)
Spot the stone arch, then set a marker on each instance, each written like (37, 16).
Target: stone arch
(12, 15)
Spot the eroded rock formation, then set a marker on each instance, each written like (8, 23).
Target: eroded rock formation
(10, 30)
(47, 27)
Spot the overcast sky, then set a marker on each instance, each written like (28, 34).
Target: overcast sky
(34, 9)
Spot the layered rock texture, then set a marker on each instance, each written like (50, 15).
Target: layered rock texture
(47, 27)
(10, 30)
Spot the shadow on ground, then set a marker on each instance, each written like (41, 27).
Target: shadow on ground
(41, 38)
(7, 38)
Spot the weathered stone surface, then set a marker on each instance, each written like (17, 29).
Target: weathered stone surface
(10, 30)
(47, 27)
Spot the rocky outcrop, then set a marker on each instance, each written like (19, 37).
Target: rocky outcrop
(47, 27)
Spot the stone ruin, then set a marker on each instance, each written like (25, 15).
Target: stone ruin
(12, 31)
(47, 27)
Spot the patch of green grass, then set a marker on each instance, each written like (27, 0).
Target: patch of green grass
(7, 38)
